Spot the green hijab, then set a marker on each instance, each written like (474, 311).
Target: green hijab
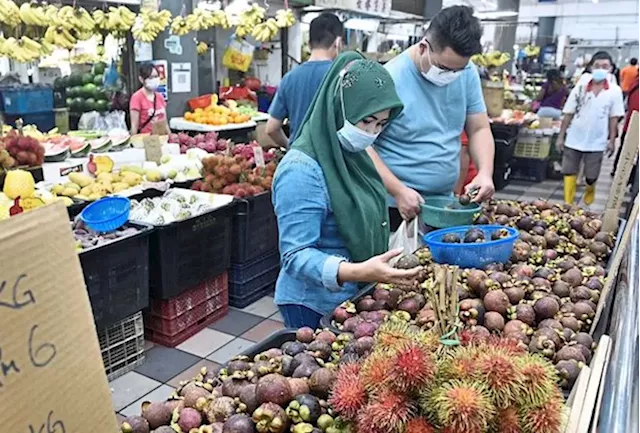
(358, 196)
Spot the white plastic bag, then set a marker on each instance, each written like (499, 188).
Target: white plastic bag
(406, 237)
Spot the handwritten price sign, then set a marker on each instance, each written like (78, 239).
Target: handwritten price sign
(51, 375)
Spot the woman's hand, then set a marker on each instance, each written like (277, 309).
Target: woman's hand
(408, 201)
(378, 270)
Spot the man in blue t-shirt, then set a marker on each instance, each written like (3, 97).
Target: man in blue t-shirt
(418, 154)
(298, 87)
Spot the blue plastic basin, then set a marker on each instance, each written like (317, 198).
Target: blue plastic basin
(107, 214)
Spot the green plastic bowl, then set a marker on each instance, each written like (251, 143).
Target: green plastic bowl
(435, 212)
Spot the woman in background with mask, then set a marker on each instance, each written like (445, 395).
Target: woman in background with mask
(147, 106)
(329, 199)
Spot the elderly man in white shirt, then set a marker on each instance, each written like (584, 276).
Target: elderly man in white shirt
(589, 126)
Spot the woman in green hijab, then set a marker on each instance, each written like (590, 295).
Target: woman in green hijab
(329, 198)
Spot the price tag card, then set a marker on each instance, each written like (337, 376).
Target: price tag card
(258, 156)
(65, 171)
(52, 379)
(152, 148)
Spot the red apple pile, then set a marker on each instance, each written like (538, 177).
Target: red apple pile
(24, 150)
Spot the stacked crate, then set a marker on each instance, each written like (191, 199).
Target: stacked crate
(122, 346)
(532, 155)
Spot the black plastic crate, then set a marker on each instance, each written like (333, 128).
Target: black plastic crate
(503, 131)
(255, 229)
(241, 273)
(117, 277)
(274, 340)
(186, 253)
(325, 321)
(501, 176)
(504, 149)
(248, 298)
(529, 169)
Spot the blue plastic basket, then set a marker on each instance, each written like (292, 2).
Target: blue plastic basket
(107, 214)
(472, 255)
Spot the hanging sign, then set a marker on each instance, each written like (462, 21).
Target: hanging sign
(51, 374)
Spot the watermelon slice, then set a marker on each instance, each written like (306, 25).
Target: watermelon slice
(89, 135)
(119, 143)
(83, 149)
(100, 145)
(55, 151)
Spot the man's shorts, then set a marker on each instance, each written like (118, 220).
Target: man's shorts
(571, 159)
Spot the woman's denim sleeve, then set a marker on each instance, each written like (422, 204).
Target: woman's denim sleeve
(301, 205)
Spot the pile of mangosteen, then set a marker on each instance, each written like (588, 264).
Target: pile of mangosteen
(280, 390)
(546, 296)
(474, 235)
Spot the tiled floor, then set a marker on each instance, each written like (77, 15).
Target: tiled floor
(164, 367)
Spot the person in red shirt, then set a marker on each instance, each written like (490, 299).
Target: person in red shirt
(147, 106)
(632, 105)
(468, 170)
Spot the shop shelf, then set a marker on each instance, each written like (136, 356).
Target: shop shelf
(171, 308)
(27, 99)
(122, 346)
(529, 169)
(117, 276)
(276, 339)
(255, 229)
(185, 253)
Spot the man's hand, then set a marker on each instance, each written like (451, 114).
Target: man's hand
(560, 142)
(484, 184)
(611, 147)
(408, 201)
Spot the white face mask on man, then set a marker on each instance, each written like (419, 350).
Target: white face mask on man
(436, 75)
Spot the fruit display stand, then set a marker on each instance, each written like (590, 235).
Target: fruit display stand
(236, 131)
(52, 170)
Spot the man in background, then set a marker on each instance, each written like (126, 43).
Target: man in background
(299, 86)
(418, 153)
(629, 75)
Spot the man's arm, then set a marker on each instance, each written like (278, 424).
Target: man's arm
(465, 159)
(276, 133)
(482, 149)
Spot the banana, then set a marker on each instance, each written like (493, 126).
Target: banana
(9, 13)
(221, 19)
(202, 48)
(179, 26)
(285, 18)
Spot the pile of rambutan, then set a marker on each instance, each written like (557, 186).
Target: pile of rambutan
(410, 385)
(234, 175)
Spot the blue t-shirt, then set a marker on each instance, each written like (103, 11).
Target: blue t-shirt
(422, 145)
(296, 92)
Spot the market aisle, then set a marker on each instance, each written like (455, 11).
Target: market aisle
(165, 367)
(552, 189)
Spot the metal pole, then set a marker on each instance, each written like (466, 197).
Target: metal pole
(284, 54)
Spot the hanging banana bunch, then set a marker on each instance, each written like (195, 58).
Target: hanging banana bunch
(149, 24)
(266, 31)
(60, 36)
(9, 13)
(179, 26)
(77, 19)
(221, 19)
(118, 21)
(285, 18)
(532, 50)
(202, 48)
(33, 15)
(250, 18)
(23, 50)
(200, 19)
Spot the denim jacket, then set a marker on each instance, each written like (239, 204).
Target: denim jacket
(311, 247)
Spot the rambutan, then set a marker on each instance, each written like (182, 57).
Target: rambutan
(507, 421)
(539, 379)
(386, 412)
(545, 418)
(393, 334)
(413, 367)
(419, 425)
(460, 365)
(461, 407)
(374, 373)
(348, 395)
(500, 372)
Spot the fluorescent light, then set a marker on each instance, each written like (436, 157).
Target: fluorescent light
(495, 15)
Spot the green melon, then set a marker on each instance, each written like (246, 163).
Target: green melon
(69, 102)
(77, 91)
(70, 92)
(89, 104)
(87, 78)
(100, 93)
(99, 68)
(119, 143)
(98, 79)
(59, 84)
(102, 105)
(88, 90)
(77, 105)
(75, 79)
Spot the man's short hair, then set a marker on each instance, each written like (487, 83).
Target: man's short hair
(633, 61)
(324, 30)
(456, 27)
(601, 55)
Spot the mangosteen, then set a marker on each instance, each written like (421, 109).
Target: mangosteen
(270, 418)
(546, 308)
(583, 310)
(587, 231)
(521, 270)
(157, 414)
(351, 323)
(367, 303)
(594, 283)
(568, 370)
(189, 418)
(567, 334)
(473, 235)
(475, 279)
(407, 261)
(493, 321)
(570, 352)
(238, 423)
(576, 224)
(542, 345)
(550, 323)
(600, 249)
(503, 209)
(526, 314)
(302, 358)
(167, 429)
(286, 365)
(305, 335)
(541, 284)
(525, 236)
(482, 219)
(543, 272)
(479, 331)
(573, 276)
(247, 396)
(305, 370)
(426, 318)
(326, 335)
(513, 327)
(500, 234)
(340, 314)
(321, 381)
(525, 223)
(570, 322)
(586, 352)
(410, 305)
(299, 385)
(304, 408)
(496, 300)
(451, 238)
(515, 294)
(365, 329)
(541, 205)
(502, 220)
(135, 424)
(578, 240)
(363, 345)
(193, 394)
(561, 288)
(273, 388)
(552, 238)
(231, 386)
(549, 334)
(381, 295)
(580, 293)
(538, 230)
(605, 238)
(521, 251)
(566, 264)
(294, 348)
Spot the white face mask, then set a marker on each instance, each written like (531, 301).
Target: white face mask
(599, 75)
(152, 83)
(352, 138)
(437, 75)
